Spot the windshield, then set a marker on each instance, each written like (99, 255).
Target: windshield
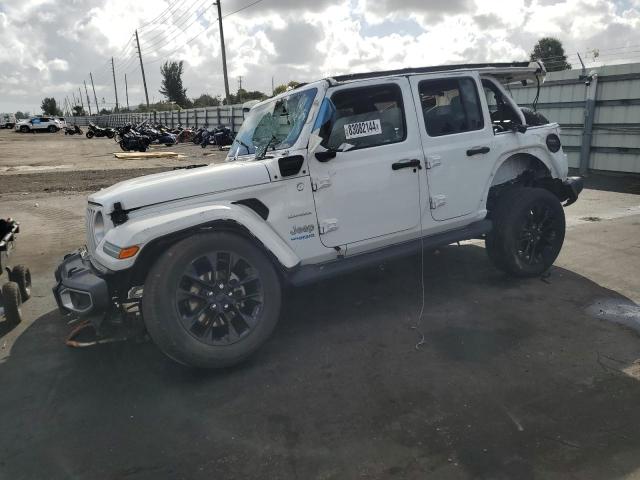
(274, 125)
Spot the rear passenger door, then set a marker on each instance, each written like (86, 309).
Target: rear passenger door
(457, 138)
(372, 186)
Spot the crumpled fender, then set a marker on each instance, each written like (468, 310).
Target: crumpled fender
(142, 230)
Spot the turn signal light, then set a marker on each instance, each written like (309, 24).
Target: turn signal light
(128, 252)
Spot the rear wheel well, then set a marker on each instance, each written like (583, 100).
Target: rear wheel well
(522, 170)
(137, 274)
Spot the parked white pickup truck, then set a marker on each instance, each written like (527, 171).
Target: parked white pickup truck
(7, 120)
(332, 176)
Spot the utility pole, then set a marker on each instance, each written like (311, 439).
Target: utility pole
(144, 79)
(87, 93)
(239, 88)
(272, 87)
(224, 54)
(115, 87)
(126, 90)
(95, 97)
(80, 97)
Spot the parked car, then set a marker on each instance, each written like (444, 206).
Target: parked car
(329, 177)
(61, 121)
(34, 124)
(7, 120)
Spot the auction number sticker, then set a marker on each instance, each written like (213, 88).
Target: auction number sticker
(362, 129)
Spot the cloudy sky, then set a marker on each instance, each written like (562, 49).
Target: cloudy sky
(48, 47)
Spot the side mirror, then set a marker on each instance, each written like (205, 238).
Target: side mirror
(325, 156)
(520, 128)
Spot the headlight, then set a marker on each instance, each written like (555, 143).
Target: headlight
(553, 143)
(98, 227)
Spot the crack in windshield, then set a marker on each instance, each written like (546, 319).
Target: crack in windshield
(276, 124)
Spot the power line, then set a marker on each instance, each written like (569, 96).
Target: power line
(173, 25)
(166, 41)
(203, 31)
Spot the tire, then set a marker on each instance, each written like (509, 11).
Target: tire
(24, 129)
(122, 146)
(52, 129)
(12, 302)
(110, 134)
(169, 144)
(528, 231)
(22, 276)
(142, 148)
(89, 134)
(192, 330)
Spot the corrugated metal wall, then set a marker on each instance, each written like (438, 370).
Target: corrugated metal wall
(230, 116)
(615, 142)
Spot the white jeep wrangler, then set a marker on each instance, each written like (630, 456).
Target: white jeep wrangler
(332, 176)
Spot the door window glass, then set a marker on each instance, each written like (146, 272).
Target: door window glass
(450, 105)
(367, 117)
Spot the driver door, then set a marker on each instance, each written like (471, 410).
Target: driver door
(371, 187)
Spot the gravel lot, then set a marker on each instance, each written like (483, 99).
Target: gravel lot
(516, 378)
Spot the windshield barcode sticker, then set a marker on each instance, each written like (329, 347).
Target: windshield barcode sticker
(362, 129)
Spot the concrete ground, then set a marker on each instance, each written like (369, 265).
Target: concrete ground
(521, 379)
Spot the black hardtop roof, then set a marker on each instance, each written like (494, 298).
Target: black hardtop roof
(432, 69)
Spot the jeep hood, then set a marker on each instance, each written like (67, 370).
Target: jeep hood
(179, 184)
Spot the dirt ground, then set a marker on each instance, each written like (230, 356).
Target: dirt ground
(516, 379)
(57, 162)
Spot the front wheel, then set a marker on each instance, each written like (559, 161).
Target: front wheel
(528, 231)
(111, 134)
(22, 276)
(123, 145)
(24, 129)
(89, 134)
(12, 303)
(52, 129)
(211, 300)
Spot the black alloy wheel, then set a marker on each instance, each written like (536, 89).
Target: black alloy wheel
(219, 298)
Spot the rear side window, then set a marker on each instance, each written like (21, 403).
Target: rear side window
(450, 105)
(367, 117)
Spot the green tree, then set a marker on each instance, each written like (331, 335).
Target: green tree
(50, 107)
(206, 100)
(78, 111)
(551, 52)
(283, 88)
(171, 86)
(242, 96)
(20, 115)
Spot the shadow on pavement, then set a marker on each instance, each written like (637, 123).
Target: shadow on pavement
(514, 380)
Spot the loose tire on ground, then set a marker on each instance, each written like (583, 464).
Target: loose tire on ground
(528, 231)
(12, 302)
(186, 298)
(22, 276)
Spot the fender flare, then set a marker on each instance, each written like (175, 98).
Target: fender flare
(143, 230)
(537, 153)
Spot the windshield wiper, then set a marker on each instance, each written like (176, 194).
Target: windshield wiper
(244, 145)
(273, 137)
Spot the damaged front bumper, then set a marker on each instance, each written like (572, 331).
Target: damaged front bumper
(571, 188)
(82, 289)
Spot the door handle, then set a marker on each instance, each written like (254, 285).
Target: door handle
(415, 163)
(478, 151)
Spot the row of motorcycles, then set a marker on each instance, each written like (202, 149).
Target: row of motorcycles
(138, 137)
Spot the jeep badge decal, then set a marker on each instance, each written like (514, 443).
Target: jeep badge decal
(362, 129)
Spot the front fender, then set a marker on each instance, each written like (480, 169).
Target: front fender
(142, 230)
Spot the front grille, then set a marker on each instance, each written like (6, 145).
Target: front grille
(92, 211)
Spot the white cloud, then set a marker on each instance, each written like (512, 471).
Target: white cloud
(52, 46)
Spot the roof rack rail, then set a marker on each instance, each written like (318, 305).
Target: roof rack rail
(441, 68)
